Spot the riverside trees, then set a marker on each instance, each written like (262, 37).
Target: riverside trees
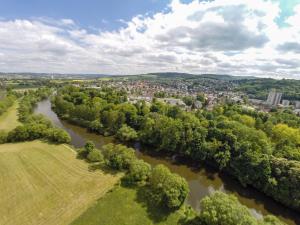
(35, 126)
(243, 143)
(166, 189)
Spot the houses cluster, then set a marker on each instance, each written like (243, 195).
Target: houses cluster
(274, 100)
(173, 91)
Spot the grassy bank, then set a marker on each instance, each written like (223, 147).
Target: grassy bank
(127, 207)
(46, 184)
(9, 119)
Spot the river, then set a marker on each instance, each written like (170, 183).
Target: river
(202, 181)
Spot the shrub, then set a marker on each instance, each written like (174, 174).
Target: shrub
(126, 133)
(3, 137)
(95, 156)
(221, 208)
(118, 157)
(139, 172)
(58, 135)
(20, 133)
(167, 188)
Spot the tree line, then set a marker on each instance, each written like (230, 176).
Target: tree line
(34, 126)
(5, 103)
(261, 150)
(167, 190)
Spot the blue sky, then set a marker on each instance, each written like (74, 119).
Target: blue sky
(239, 37)
(88, 13)
(102, 14)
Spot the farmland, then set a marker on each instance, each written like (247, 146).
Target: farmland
(46, 184)
(9, 119)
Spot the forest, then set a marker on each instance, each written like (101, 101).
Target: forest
(258, 149)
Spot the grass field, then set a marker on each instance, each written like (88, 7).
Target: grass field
(42, 184)
(124, 206)
(9, 119)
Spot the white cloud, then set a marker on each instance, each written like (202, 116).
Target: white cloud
(222, 36)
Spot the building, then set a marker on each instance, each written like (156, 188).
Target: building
(274, 98)
(285, 103)
(297, 104)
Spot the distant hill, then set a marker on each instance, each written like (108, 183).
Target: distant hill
(209, 76)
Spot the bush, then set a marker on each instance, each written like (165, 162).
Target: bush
(168, 189)
(5, 103)
(95, 156)
(139, 172)
(58, 135)
(118, 157)
(84, 152)
(221, 208)
(20, 133)
(3, 137)
(126, 133)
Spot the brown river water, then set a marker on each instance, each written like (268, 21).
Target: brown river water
(202, 181)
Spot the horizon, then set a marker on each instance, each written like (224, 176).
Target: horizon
(239, 38)
(151, 73)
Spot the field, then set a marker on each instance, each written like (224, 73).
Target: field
(44, 184)
(9, 119)
(124, 206)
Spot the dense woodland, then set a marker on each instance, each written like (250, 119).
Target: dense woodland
(259, 88)
(258, 149)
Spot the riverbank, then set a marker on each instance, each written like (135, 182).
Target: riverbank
(202, 181)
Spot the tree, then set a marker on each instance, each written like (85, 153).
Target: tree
(88, 147)
(139, 172)
(167, 188)
(221, 208)
(126, 133)
(58, 136)
(95, 155)
(118, 157)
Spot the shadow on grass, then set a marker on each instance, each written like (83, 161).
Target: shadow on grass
(156, 212)
(101, 166)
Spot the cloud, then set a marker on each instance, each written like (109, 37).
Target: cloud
(223, 36)
(289, 47)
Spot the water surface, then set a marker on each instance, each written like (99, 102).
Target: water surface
(202, 181)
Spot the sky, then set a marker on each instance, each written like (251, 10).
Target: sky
(237, 37)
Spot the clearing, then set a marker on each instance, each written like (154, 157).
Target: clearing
(43, 184)
(9, 119)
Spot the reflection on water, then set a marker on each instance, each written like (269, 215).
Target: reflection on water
(202, 181)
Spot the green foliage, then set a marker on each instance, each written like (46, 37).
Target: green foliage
(58, 135)
(167, 189)
(126, 133)
(138, 173)
(3, 137)
(220, 208)
(118, 157)
(259, 88)
(286, 181)
(35, 126)
(95, 156)
(5, 103)
(188, 100)
(235, 139)
(88, 147)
